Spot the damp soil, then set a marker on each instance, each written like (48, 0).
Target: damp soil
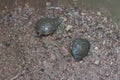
(24, 56)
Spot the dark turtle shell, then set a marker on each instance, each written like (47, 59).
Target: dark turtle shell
(47, 26)
(79, 48)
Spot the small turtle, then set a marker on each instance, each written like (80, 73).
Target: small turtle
(47, 26)
(79, 48)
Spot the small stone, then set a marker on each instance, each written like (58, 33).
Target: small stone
(105, 19)
(99, 13)
(83, 14)
(26, 5)
(80, 48)
(47, 26)
(48, 4)
(68, 27)
(97, 62)
(96, 48)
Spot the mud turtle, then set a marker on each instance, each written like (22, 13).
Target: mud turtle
(47, 26)
(79, 48)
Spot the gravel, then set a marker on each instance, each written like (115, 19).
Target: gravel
(23, 56)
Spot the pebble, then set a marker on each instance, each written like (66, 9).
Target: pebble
(68, 27)
(79, 48)
(96, 48)
(97, 62)
(48, 4)
(99, 13)
(83, 14)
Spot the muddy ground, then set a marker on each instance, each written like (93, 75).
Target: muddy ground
(24, 56)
